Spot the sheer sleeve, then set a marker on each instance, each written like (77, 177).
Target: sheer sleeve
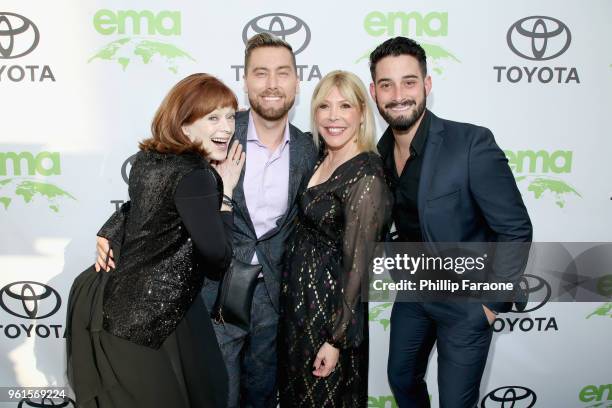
(367, 212)
(197, 199)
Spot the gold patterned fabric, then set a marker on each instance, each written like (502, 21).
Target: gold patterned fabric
(328, 258)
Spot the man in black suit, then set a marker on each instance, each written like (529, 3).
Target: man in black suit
(451, 183)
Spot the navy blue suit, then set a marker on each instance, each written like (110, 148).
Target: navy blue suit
(466, 193)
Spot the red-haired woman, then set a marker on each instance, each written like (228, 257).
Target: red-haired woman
(138, 337)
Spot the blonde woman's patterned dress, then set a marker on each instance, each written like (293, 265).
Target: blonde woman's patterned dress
(321, 300)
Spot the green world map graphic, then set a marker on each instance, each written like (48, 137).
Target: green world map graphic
(127, 50)
(544, 186)
(604, 310)
(600, 405)
(377, 315)
(436, 55)
(29, 190)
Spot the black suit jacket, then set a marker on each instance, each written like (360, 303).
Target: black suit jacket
(467, 193)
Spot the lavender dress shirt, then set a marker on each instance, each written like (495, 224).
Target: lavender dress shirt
(266, 181)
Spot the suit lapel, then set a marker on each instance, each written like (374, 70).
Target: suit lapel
(430, 162)
(240, 134)
(295, 175)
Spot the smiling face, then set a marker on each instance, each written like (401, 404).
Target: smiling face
(337, 120)
(271, 82)
(400, 91)
(214, 131)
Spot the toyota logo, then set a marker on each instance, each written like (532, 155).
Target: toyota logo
(125, 172)
(18, 36)
(539, 38)
(46, 402)
(509, 397)
(535, 284)
(29, 300)
(288, 27)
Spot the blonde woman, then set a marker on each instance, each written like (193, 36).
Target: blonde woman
(323, 347)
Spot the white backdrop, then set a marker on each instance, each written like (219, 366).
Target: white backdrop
(79, 86)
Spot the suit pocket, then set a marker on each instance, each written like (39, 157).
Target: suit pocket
(481, 316)
(444, 199)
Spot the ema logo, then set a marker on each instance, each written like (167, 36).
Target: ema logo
(602, 394)
(288, 27)
(28, 189)
(132, 46)
(422, 27)
(533, 170)
(538, 38)
(19, 36)
(510, 396)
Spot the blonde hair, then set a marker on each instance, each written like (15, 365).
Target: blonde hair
(353, 89)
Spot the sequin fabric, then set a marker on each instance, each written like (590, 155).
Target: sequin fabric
(328, 257)
(157, 276)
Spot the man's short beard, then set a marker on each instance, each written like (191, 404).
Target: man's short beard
(271, 114)
(403, 123)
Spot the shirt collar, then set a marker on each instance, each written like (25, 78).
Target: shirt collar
(387, 141)
(252, 135)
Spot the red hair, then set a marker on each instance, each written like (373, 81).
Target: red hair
(189, 100)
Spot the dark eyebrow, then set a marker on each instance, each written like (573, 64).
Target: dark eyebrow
(284, 67)
(412, 76)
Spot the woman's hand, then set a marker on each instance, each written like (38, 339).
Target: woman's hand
(326, 360)
(104, 251)
(230, 168)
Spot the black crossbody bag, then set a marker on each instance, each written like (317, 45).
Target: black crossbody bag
(235, 296)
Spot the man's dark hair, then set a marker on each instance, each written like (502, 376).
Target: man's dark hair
(398, 46)
(266, 40)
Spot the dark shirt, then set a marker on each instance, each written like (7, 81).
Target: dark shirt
(405, 187)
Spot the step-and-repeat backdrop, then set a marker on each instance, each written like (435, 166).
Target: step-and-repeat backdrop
(80, 81)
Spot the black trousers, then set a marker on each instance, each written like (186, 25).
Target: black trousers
(463, 335)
